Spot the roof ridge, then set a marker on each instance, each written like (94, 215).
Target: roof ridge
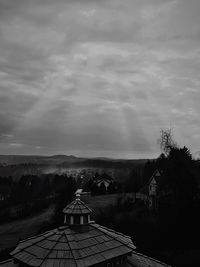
(86, 206)
(5, 261)
(152, 176)
(94, 253)
(118, 239)
(70, 248)
(111, 230)
(79, 204)
(145, 256)
(50, 250)
(23, 248)
(87, 237)
(88, 246)
(78, 249)
(36, 236)
(29, 245)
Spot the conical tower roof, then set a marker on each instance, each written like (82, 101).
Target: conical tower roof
(77, 207)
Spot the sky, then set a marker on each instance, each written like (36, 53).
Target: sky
(98, 78)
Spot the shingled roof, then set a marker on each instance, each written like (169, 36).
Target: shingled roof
(156, 175)
(65, 247)
(140, 260)
(135, 260)
(77, 207)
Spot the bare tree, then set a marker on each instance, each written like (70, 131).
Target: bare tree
(166, 141)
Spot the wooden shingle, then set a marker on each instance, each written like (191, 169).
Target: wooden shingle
(140, 260)
(77, 207)
(61, 245)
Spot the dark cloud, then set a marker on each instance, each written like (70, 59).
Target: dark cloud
(98, 77)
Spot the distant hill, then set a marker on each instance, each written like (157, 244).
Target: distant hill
(18, 165)
(23, 159)
(64, 160)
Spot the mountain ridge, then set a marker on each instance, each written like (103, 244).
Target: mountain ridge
(34, 159)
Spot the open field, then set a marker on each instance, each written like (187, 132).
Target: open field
(98, 203)
(102, 201)
(12, 232)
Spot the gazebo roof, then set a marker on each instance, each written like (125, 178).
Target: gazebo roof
(65, 247)
(140, 260)
(77, 207)
(134, 260)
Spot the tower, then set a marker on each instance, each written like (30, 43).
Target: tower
(77, 215)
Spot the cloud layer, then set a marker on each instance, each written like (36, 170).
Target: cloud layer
(98, 78)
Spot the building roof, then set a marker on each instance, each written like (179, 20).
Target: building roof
(77, 207)
(135, 260)
(103, 176)
(103, 180)
(65, 247)
(7, 263)
(156, 175)
(140, 260)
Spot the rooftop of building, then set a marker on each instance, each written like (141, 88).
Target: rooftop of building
(134, 260)
(66, 246)
(77, 207)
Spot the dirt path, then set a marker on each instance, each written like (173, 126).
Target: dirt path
(12, 232)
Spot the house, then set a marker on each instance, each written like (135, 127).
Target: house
(153, 189)
(149, 192)
(153, 183)
(80, 242)
(103, 179)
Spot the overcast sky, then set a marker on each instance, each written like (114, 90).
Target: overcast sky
(98, 77)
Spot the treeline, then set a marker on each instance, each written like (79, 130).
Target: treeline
(32, 193)
(104, 163)
(18, 170)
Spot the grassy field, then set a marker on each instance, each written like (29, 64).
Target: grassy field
(96, 202)
(99, 203)
(12, 232)
(102, 201)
